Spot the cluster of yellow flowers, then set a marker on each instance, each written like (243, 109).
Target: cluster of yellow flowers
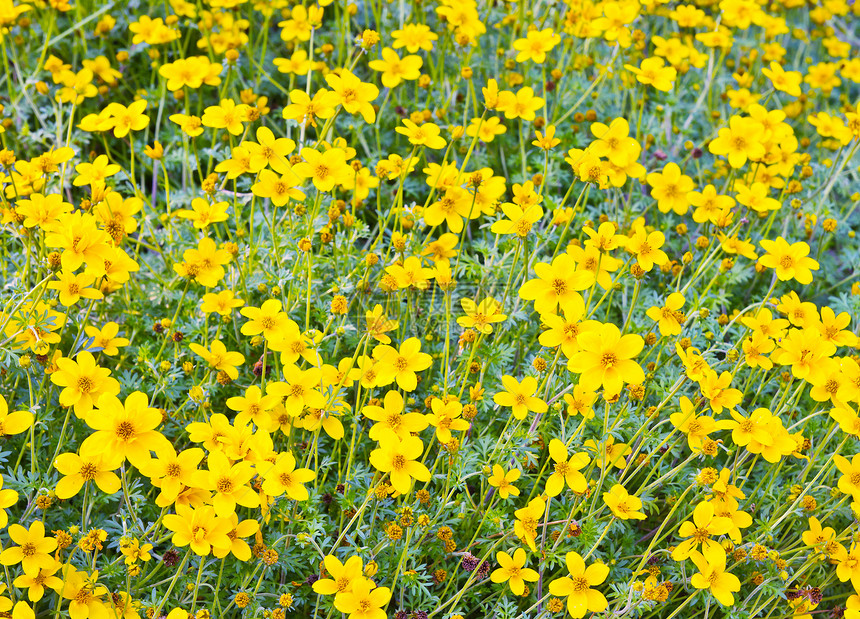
(306, 303)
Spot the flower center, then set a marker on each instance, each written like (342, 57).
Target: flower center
(88, 471)
(85, 384)
(701, 535)
(125, 430)
(523, 227)
(580, 584)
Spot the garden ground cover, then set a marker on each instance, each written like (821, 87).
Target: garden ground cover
(424, 308)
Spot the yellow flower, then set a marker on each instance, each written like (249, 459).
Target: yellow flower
(201, 528)
(520, 396)
(426, 134)
(709, 206)
(512, 570)
(487, 129)
(580, 401)
(41, 210)
(566, 470)
(556, 285)
(229, 482)
(704, 525)
(455, 204)
(670, 188)
(445, 418)
(305, 109)
(695, 427)
(127, 430)
(84, 594)
(33, 548)
(606, 358)
(740, 141)
(610, 454)
(92, 465)
(342, 576)
(535, 45)
(527, 519)
(324, 169)
(203, 214)
(491, 95)
(171, 472)
(354, 95)
(219, 358)
(223, 302)
(652, 71)
(36, 582)
(713, 575)
(613, 142)
(817, 536)
(625, 506)
(269, 151)
(504, 481)
(788, 261)
(411, 274)
(414, 37)
(96, 172)
(81, 241)
(405, 362)
(126, 119)
(191, 72)
(577, 587)
(849, 481)
(646, 247)
(390, 417)
(226, 115)
(480, 316)
(717, 389)
(299, 389)
(521, 105)
(105, 339)
(268, 320)
(398, 458)
(283, 477)
(13, 423)
(191, 126)
(8, 498)
(378, 324)
(395, 69)
(204, 263)
(670, 318)
(519, 220)
(83, 382)
(364, 601)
